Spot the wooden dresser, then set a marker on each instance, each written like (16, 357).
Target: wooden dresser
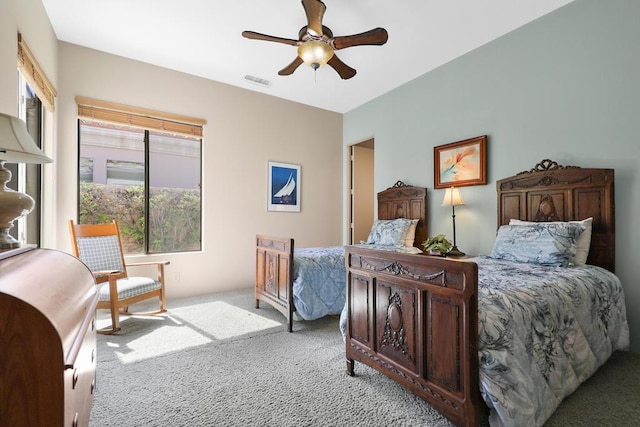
(47, 339)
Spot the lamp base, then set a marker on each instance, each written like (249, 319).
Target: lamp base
(13, 205)
(454, 251)
(7, 241)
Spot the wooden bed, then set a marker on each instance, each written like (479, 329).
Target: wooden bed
(415, 317)
(274, 255)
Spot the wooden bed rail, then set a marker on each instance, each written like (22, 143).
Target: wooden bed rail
(274, 270)
(415, 319)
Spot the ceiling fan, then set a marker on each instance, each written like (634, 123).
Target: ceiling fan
(316, 43)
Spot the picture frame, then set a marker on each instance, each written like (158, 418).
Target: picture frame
(460, 164)
(283, 193)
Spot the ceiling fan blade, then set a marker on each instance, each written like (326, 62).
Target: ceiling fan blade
(315, 11)
(341, 68)
(377, 36)
(257, 36)
(289, 69)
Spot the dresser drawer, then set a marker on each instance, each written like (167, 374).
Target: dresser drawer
(80, 381)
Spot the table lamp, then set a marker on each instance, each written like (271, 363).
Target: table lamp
(16, 146)
(453, 198)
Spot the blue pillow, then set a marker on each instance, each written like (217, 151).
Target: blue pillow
(389, 232)
(552, 244)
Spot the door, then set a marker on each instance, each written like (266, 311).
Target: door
(362, 206)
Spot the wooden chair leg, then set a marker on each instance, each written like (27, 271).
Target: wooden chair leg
(115, 320)
(113, 308)
(115, 324)
(163, 300)
(163, 297)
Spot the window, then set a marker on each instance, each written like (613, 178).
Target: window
(85, 166)
(145, 177)
(30, 175)
(125, 173)
(26, 178)
(35, 93)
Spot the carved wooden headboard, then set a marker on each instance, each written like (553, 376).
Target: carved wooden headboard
(405, 201)
(551, 192)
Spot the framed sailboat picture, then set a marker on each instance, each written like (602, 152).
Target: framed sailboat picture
(284, 187)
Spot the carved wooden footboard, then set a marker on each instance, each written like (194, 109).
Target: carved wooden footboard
(414, 318)
(274, 268)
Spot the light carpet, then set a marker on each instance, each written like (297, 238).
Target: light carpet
(217, 361)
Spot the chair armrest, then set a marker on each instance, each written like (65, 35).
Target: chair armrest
(104, 275)
(159, 265)
(136, 264)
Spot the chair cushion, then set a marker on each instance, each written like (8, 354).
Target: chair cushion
(100, 253)
(131, 287)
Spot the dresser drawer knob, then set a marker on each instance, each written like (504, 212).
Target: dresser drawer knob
(74, 380)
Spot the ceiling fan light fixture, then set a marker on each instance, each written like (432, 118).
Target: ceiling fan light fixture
(315, 53)
(316, 43)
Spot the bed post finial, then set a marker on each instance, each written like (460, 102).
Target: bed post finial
(399, 184)
(547, 165)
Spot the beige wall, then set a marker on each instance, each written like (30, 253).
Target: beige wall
(244, 131)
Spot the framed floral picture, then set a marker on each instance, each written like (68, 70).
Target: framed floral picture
(284, 187)
(461, 163)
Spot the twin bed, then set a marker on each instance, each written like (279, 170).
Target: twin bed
(315, 284)
(506, 336)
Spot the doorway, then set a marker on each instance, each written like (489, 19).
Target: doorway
(361, 191)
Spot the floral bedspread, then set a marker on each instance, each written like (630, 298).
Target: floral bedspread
(319, 279)
(542, 332)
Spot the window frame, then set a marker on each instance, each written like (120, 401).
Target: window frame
(149, 121)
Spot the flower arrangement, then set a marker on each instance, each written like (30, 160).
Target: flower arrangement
(437, 245)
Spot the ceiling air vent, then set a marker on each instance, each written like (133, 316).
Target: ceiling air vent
(257, 80)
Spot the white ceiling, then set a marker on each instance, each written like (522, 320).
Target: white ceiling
(203, 38)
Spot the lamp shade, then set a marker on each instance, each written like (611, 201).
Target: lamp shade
(16, 145)
(315, 53)
(452, 197)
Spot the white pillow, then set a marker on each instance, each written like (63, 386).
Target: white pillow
(583, 243)
(411, 234)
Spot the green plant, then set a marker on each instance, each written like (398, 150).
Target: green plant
(174, 215)
(437, 243)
